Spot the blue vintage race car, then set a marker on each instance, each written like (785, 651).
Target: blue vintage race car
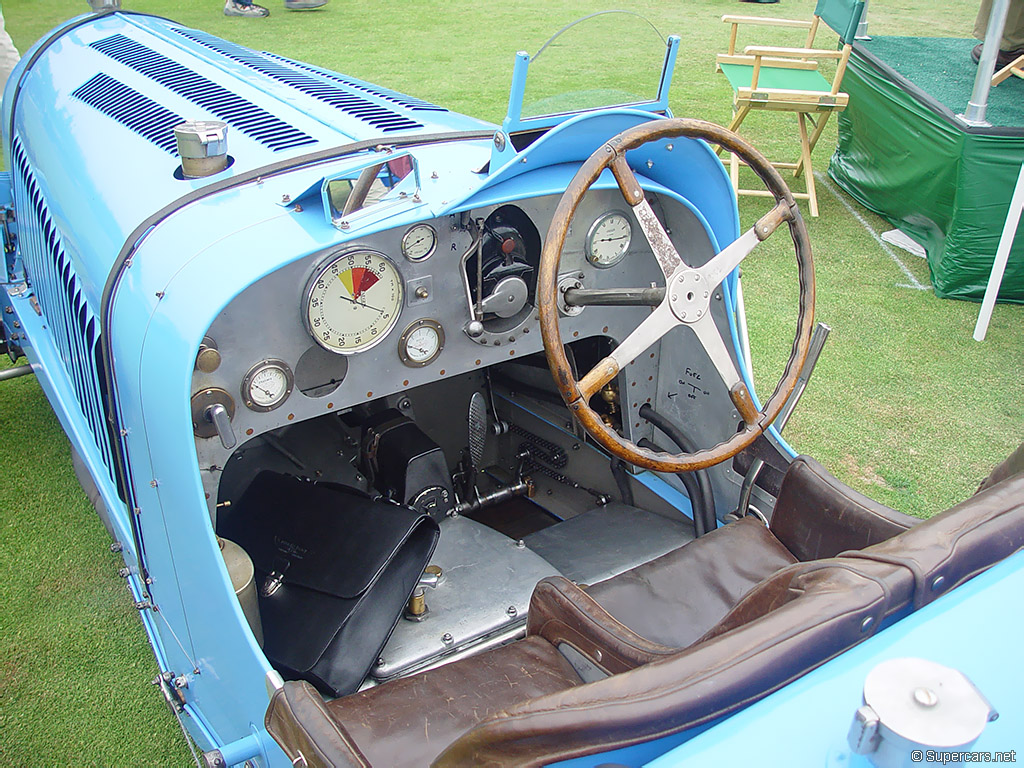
(432, 441)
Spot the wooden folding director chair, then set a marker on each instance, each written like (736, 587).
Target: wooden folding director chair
(788, 80)
(1015, 67)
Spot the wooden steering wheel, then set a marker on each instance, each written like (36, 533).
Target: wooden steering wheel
(687, 295)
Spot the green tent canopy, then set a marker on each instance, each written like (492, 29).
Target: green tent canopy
(903, 154)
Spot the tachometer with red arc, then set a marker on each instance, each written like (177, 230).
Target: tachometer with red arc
(353, 301)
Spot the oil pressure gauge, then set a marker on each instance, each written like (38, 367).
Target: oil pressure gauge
(608, 239)
(421, 343)
(267, 385)
(419, 242)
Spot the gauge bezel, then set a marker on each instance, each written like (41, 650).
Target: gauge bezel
(433, 244)
(323, 268)
(246, 391)
(589, 244)
(403, 341)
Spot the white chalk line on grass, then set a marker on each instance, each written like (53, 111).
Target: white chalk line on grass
(914, 284)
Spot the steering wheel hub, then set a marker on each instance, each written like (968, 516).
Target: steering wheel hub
(688, 295)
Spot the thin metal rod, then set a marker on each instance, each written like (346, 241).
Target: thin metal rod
(978, 105)
(614, 297)
(1002, 256)
(13, 373)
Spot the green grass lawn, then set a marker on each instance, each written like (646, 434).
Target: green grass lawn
(904, 405)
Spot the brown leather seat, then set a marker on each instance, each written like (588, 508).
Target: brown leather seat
(678, 597)
(792, 622)
(411, 720)
(523, 705)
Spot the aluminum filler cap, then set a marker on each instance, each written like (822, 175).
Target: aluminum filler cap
(203, 147)
(914, 704)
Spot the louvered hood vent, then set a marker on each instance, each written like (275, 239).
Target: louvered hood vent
(126, 105)
(239, 113)
(330, 89)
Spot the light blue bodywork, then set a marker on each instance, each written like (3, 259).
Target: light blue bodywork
(145, 296)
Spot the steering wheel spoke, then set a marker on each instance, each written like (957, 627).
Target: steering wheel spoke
(713, 343)
(665, 253)
(716, 270)
(656, 325)
(657, 237)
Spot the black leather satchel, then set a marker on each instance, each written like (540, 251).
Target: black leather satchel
(335, 569)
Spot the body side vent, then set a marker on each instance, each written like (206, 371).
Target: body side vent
(51, 276)
(240, 113)
(317, 84)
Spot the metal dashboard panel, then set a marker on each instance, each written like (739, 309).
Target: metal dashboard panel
(265, 320)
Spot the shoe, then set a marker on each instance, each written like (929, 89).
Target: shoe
(303, 5)
(1002, 58)
(252, 11)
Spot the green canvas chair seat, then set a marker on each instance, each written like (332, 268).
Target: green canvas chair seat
(789, 80)
(740, 76)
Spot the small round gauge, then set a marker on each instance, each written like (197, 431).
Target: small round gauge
(421, 343)
(353, 301)
(267, 385)
(608, 239)
(419, 242)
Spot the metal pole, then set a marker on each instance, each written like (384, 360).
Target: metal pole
(1002, 256)
(13, 373)
(975, 113)
(862, 25)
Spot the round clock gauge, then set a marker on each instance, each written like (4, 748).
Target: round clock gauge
(608, 239)
(353, 301)
(421, 343)
(267, 385)
(419, 242)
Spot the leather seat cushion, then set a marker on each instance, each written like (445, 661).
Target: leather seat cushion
(408, 722)
(675, 599)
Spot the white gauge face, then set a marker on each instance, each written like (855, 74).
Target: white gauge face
(267, 385)
(353, 302)
(421, 343)
(419, 242)
(608, 239)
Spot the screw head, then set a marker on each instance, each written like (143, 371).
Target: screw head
(926, 697)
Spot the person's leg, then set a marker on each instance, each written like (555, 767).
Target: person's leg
(8, 54)
(1013, 32)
